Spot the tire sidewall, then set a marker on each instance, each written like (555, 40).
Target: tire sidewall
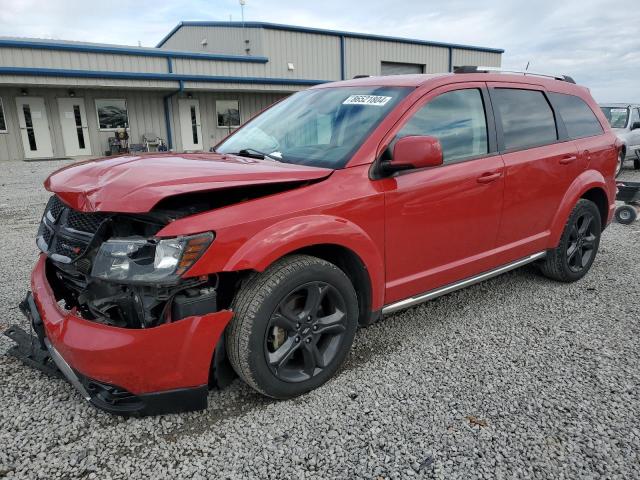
(261, 373)
(582, 207)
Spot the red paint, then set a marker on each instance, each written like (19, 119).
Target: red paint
(142, 361)
(416, 231)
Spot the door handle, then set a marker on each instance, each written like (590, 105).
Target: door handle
(489, 177)
(568, 159)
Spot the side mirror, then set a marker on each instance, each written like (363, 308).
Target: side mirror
(415, 152)
(635, 126)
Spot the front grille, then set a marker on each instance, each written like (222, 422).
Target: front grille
(64, 233)
(85, 222)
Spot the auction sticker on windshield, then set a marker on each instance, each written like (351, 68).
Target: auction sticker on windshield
(375, 100)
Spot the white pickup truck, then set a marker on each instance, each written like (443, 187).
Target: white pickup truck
(624, 119)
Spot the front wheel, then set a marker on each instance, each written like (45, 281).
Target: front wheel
(293, 326)
(573, 257)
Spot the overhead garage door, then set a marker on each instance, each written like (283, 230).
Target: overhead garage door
(393, 68)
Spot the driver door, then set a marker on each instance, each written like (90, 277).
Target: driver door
(441, 223)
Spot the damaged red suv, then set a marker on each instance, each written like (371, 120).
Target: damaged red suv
(165, 274)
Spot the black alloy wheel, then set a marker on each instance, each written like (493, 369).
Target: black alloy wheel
(572, 258)
(293, 326)
(306, 331)
(582, 242)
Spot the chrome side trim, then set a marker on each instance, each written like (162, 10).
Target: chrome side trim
(410, 302)
(66, 370)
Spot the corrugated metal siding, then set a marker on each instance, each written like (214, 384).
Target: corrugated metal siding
(364, 57)
(10, 142)
(219, 40)
(31, 57)
(470, 57)
(314, 56)
(250, 104)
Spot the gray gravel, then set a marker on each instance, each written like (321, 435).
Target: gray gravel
(517, 377)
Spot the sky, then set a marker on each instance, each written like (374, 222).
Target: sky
(597, 42)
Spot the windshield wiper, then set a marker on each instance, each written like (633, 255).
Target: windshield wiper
(252, 152)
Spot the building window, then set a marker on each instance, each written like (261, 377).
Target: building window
(228, 113)
(112, 113)
(3, 122)
(395, 68)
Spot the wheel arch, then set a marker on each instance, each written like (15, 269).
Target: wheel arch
(590, 185)
(598, 196)
(353, 266)
(331, 238)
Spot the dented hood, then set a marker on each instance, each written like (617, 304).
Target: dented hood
(135, 184)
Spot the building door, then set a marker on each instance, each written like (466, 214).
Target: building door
(34, 127)
(73, 120)
(190, 124)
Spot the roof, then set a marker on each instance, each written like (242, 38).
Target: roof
(418, 80)
(620, 105)
(74, 46)
(320, 31)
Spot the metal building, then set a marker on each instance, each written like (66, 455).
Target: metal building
(62, 99)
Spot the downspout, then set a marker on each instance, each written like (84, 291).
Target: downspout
(450, 59)
(167, 106)
(342, 58)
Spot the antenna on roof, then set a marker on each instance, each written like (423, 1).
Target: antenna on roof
(246, 40)
(527, 67)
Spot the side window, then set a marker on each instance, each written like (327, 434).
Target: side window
(526, 118)
(455, 118)
(576, 115)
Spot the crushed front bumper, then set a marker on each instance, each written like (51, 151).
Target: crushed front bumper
(126, 371)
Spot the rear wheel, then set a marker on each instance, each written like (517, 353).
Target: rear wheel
(573, 257)
(626, 214)
(293, 326)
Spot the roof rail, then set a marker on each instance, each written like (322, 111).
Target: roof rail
(474, 69)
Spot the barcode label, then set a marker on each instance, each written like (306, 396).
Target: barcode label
(375, 100)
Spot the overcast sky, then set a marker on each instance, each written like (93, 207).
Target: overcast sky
(595, 41)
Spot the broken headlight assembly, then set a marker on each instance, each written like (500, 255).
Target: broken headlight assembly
(141, 260)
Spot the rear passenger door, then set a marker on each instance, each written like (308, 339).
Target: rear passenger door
(539, 167)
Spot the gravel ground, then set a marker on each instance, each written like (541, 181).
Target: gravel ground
(518, 377)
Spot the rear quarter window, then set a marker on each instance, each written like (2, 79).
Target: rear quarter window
(525, 116)
(577, 116)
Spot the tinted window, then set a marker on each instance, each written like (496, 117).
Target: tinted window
(457, 119)
(526, 118)
(576, 115)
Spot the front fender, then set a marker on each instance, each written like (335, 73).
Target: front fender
(292, 234)
(584, 182)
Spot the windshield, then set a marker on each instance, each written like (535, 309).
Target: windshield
(617, 116)
(318, 127)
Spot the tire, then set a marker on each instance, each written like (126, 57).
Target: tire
(574, 255)
(293, 326)
(620, 164)
(626, 214)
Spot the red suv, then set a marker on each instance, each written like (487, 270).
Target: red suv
(163, 274)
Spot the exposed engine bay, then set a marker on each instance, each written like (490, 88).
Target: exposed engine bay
(113, 269)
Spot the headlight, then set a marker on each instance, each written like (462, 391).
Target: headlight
(139, 260)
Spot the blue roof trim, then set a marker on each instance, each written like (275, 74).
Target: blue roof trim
(294, 28)
(174, 77)
(143, 52)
